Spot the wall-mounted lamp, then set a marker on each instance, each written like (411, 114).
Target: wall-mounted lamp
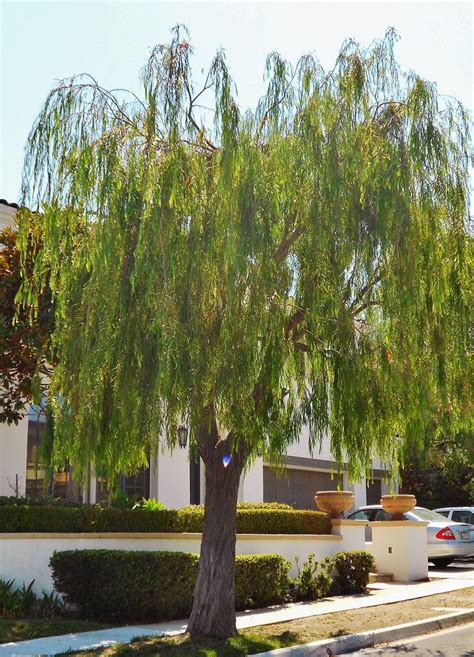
(182, 436)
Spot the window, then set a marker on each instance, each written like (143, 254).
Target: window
(363, 514)
(374, 491)
(134, 486)
(463, 516)
(40, 479)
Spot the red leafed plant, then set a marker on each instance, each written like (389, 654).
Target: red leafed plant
(24, 338)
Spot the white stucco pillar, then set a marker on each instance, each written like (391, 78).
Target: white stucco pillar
(202, 481)
(251, 483)
(385, 488)
(92, 488)
(154, 477)
(360, 495)
(173, 478)
(400, 548)
(352, 532)
(13, 448)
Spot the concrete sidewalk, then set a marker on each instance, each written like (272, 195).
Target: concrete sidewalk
(379, 594)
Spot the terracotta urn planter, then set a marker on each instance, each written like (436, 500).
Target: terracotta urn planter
(397, 505)
(334, 502)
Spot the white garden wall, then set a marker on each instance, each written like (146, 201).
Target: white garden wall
(25, 557)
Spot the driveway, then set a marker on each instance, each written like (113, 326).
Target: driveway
(459, 569)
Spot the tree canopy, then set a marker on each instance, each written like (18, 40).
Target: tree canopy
(248, 272)
(304, 262)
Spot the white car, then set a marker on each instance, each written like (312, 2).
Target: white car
(459, 514)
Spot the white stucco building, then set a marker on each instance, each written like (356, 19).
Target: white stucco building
(172, 478)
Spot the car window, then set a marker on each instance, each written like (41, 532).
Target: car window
(463, 516)
(382, 515)
(363, 514)
(426, 514)
(443, 513)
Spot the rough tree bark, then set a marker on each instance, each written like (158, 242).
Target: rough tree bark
(213, 612)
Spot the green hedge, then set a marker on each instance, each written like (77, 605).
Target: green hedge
(256, 519)
(7, 500)
(119, 585)
(25, 518)
(84, 519)
(281, 521)
(127, 586)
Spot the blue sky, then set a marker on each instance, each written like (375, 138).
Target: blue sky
(42, 42)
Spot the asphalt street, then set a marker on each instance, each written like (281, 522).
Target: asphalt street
(455, 642)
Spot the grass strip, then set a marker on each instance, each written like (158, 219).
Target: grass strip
(280, 635)
(22, 629)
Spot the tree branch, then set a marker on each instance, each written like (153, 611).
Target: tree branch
(191, 118)
(365, 305)
(285, 246)
(275, 105)
(367, 288)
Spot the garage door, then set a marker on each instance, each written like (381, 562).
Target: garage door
(295, 487)
(374, 491)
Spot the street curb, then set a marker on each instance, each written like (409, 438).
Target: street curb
(351, 642)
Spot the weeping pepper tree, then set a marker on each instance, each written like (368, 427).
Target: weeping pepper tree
(305, 263)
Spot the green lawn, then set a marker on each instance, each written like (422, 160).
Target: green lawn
(19, 629)
(183, 646)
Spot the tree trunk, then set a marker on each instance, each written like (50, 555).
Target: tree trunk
(213, 613)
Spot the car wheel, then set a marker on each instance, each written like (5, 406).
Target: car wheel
(440, 563)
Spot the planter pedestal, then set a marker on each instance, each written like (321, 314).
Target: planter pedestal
(400, 548)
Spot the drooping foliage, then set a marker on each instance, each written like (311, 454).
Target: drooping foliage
(23, 343)
(303, 263)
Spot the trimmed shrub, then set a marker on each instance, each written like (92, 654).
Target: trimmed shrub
(264, 505)
(282, 521)
(7, 500)
(261, 580)
(40, 519)
(119, 585)
(351, 572)
(259, 520)
(191, 518)
(126, 520)
(84, 519)
(262, 520)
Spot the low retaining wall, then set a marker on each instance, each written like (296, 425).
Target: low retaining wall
(24, 557)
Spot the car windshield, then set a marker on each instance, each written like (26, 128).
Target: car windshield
(426, 514)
